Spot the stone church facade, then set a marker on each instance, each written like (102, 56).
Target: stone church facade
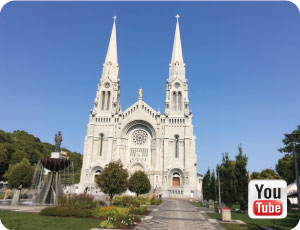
(161, 145)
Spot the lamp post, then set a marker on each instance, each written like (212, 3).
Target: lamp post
(293, 137)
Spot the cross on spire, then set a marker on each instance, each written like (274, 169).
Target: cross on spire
(114, 17)
(177, 16)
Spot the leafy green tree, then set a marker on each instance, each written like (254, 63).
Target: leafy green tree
(228, 180)
(20, 174)
(206, 185)
(255, 175)
(269, 174)
(241, 175)
(213, 187)
(139, 183)
(4, 161)
(113, 179)
(285, 166)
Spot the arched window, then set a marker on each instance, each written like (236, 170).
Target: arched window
(101, 143)
(179, 101)
(97, 174)
(176, 146)
(174, 101)
(103, 100)
(108, 100)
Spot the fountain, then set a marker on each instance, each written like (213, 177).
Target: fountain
(51, 175)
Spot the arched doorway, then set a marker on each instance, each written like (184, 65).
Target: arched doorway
(176, 179)
(137, 167)
(97, 175)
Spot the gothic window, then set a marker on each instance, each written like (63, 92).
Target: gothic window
(176, 146)
(101, 143)
(103, 100)
(174, 100)
(179, 101)
(108, 100)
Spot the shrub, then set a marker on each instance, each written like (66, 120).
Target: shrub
(154, 200)
(115, 216)
(139, 211)
(136, 202)
(66, 212)
(106, 224)
(82, 201)
(128, 201)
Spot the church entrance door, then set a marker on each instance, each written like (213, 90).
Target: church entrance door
(176, 181)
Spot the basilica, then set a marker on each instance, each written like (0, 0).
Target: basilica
(162, 145)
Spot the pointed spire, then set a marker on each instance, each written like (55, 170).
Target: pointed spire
(177, 66)
(112, 54)
(111, 65)
(177, 49)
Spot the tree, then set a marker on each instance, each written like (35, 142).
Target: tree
(4, 161)
(269, 174)
(206, 185)
(113, 179)
(242, 179)
(20, 174)
(228, 180)
(285, 166)
(139, 183)
(255, 175)
(213, 187)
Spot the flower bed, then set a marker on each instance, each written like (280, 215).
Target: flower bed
(137, 201)
(72, 206)
(122, 215)
(114, 216)
(66, 212)
(82, 201)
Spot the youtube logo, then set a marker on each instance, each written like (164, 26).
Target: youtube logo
(267, 199)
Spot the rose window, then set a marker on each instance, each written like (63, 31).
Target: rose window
(139, 137)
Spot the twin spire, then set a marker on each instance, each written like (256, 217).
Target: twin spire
(177, 49)
(177, 66)
(111, 65)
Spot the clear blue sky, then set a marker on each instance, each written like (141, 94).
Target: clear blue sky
(242, 60)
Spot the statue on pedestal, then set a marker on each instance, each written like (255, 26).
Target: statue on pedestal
(58, 140)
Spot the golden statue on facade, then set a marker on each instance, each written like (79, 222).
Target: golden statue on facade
(141, 93)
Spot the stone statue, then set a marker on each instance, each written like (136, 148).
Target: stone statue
(58, 140)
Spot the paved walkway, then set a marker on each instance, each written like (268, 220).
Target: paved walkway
(177, 215)
(22, 208)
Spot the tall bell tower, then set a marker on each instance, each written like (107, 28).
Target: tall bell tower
(177, 101)
(107, 100)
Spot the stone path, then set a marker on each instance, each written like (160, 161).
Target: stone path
(22, 208)
(177, 215)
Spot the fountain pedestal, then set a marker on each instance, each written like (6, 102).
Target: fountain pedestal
(50, 187)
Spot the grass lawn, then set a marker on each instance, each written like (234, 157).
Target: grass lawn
(33, 221)
(281, 224)
(197, 204)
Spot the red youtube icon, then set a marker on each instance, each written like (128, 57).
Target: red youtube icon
(267, 207)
